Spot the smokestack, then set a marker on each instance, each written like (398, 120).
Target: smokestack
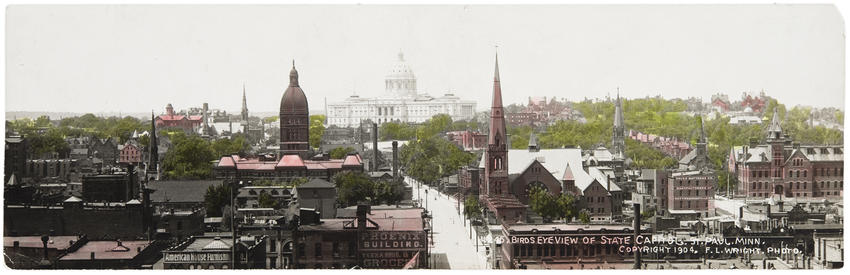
(636, 206)
(362, 210)
(375, 146)
(395, 160)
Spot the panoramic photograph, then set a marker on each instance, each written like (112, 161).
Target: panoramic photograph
(447, 137)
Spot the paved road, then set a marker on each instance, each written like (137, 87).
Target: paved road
(450, 236)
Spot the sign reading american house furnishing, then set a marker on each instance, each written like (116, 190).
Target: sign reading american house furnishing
(197, 257)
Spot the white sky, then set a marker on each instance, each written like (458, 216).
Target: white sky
(139, 58)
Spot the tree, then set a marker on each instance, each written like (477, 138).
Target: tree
(551, 206)
(189, 158)
(471, 207)
(317, 130)
(584, 217)
(341, 152)
(354, 187)
(267, 201)
(216, 197)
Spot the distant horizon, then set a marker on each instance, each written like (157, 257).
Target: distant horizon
(322, 111)
(116, 58)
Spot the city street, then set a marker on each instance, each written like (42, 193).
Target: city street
(450, 236)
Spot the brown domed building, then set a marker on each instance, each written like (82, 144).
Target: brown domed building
(294, 119)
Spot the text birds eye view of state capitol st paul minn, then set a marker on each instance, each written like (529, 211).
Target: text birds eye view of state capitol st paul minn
(407, 179)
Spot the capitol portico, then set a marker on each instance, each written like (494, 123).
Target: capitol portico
(401, 102)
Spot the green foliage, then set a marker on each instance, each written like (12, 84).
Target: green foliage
(354, 187)
(267, 201)
(43, 137)
(584, 217)
(396, 131)
(551, 206)
(646, 214)
(646, 157)
(236, 144)
(519, 136)
(270, 119)
(471, 207)
(216, 197)
(317, 130)
(341, 152)
(431, 158)
(189, 158)
(435, 125)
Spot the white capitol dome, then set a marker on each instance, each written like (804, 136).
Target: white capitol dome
(400, 82)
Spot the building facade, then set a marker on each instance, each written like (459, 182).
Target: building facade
(294, 119)
(785, 169)
(401, 102)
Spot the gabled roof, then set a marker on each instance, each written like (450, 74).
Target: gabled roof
(180, 191)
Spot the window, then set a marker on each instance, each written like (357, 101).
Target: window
(272, 246)
(336, 249)
(352, 248)
(318, 249)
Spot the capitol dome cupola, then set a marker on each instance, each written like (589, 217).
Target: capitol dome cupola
(400, 82)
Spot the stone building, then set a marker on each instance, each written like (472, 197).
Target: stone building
(401, 102)
(783, 169)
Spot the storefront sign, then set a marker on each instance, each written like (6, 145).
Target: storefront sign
(196, 257)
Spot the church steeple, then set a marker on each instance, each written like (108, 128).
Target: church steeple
(244, 104)
(153, 162)
(497, 148)
(618, 136)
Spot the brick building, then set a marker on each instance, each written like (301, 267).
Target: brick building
(172, 120)
(785, 169)
(289, 167)
(375, 239)
(468, 140)
(130, 153)
(216, 252)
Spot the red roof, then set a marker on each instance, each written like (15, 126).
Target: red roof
(226, 161)
(179, 117)
(502, 202)
(290, 161)
(107, 250)
(352, 160)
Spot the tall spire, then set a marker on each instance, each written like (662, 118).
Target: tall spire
(497, 86)
(153, 162)
(774, 130)
(702, 137)
(244, 99)
(293, 76)
(497, 117)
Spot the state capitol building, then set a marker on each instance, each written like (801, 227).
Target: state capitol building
(400, 103)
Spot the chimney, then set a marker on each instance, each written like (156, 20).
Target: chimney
(362, 210)
(753, 142)
(769, 220)
(636, 207)
(395, 160)
(374, 166)
(741, 216)
(92, 255)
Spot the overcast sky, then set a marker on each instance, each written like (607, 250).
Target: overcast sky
(139, 58)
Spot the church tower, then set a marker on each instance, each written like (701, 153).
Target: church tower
(153, 162)
(244, 112)
(294, 119)
(776, 141)
(496, 169)
(618, 137)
